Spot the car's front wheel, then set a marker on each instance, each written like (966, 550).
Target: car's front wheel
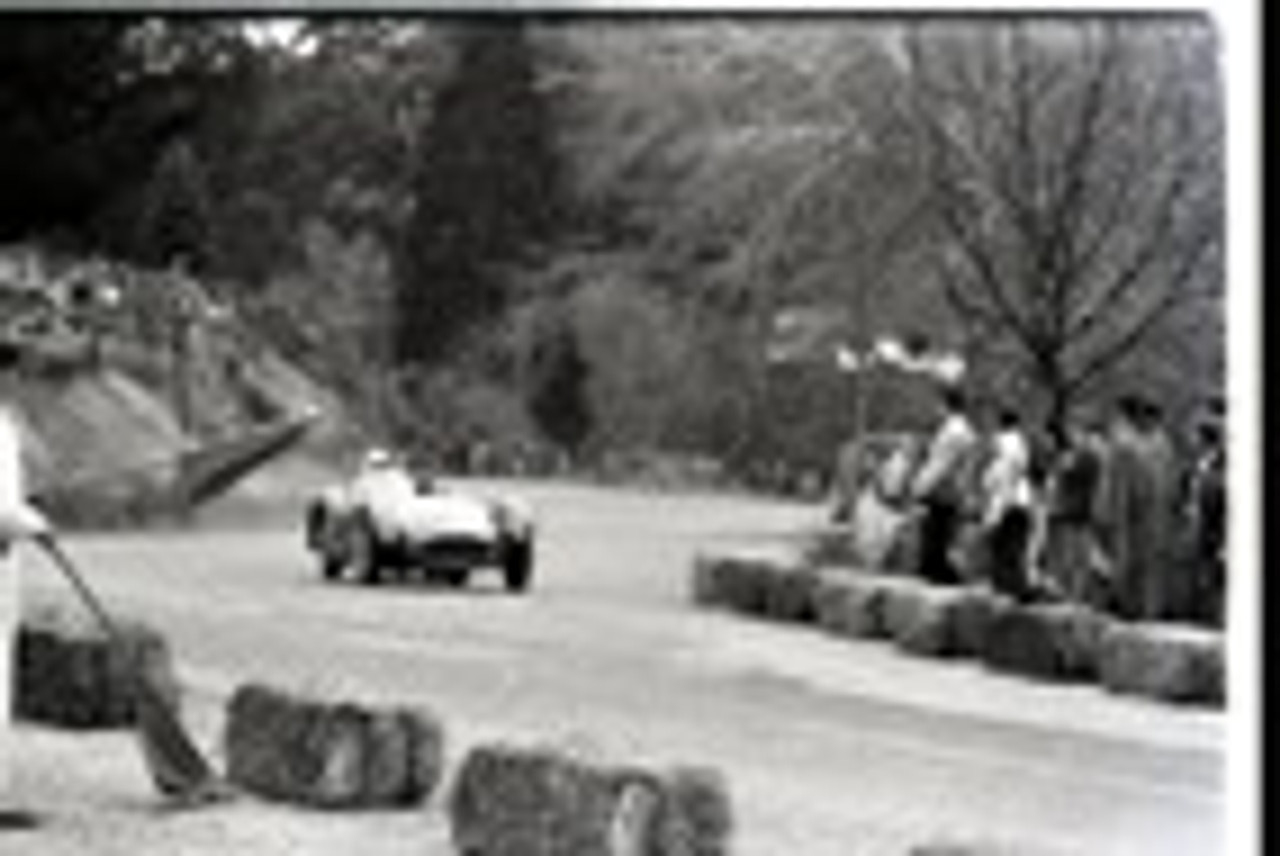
(362, 552)
(330, 566)
(321, 539)
(454, 577)
(517, 565)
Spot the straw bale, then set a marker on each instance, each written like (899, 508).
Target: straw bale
(1052, 642)
(341, 754)
(72, 675)
(1164, 661)
(538, 801)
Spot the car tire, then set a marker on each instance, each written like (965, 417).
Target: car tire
(316, 520)
(455, 577)
(323, 542)
(363, 552)
(517, 566)
(330, 567)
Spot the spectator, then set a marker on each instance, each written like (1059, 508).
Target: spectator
(1168, 581)
(893, 480)
(942, 486)
(18, 520)
(1007, 509)
(1137, 499)
(1072, 557)
(1206, 515)
(855, 466)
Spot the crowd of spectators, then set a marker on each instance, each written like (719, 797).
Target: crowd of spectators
(1112, 515)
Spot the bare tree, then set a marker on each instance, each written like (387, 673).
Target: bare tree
(1075, 173)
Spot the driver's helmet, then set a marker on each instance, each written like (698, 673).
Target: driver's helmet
(377, 459)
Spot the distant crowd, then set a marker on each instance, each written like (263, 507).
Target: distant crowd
(1111, 516)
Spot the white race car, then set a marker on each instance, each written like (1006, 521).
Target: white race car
(383, 521)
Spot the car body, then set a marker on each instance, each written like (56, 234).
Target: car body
(385, 522)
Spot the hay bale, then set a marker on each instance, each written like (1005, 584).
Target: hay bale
(929, 620)
(330, 755)
(1164, 661)
(71, 675)
(693, 814)
(791, 595)
(1051, 642)
(749, 582)
(849, 604)
(704, 582)
(972, 619)
(744, 585)
(834, 588)
(510, 801)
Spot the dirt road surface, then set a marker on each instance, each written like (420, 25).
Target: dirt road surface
(832, 747)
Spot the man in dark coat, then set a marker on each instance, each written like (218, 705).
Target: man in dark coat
(1207, 518)
(1138, 502)
(1072, 556)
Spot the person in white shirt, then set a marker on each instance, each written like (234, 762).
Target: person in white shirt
(1007, 510)
(941, 487)
(18, 521)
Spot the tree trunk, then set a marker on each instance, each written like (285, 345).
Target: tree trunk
(1056, 388)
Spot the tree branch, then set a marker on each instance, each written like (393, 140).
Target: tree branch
(1174, 297)
(1156, 243)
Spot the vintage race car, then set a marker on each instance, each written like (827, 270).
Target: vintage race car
(387, 523)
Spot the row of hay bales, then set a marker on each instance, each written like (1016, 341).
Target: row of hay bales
(342, 754)
(1057, 642)
(504, 800)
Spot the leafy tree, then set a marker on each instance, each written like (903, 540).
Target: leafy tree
(174, 224)
(91, 103)
(330, 133)
(558, 399)
(485, 194)
(1075, 172)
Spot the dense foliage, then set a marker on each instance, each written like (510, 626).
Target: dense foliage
(485, 191)
(90, 106)
(580, 231)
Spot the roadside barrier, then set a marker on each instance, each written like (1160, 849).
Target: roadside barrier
(71, 675)
(331, 754)
(928, 620)
(538, 801)
(295, 748)
(1051, 642)
(1170, 662)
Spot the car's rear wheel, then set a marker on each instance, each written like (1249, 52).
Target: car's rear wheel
(517, 565)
